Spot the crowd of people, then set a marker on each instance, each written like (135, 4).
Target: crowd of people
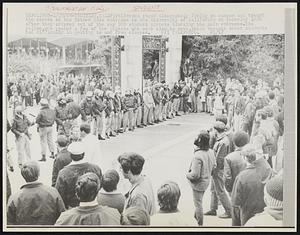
(240, 157)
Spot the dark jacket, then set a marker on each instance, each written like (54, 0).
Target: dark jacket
(199, 173)
(61, 114)
(20, 125)
(248, 191)
(66, 181)
(46, 117)
(117, 104)
(234, 163)
(34, 204)
(86, 108)
(156, 96)
(73, 110)
(63, 159)
(98, 105)
(129, 102)
(221, 148)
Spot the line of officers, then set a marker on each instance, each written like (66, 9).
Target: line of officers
(109, 113)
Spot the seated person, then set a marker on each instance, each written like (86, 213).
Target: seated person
(89, 212)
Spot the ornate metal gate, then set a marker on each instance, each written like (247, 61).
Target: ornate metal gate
(157, 43)
(116, 61)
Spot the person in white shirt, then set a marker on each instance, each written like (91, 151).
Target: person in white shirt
(91, 144)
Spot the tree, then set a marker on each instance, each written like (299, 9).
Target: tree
(237, 56)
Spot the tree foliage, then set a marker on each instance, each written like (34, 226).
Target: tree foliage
(101, 55)
(237, 56)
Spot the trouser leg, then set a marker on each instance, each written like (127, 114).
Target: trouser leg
(218, 180)
(214, 198)
(130, 119)
(43, 139)
(103, 123)
(236, 216)
(50, 139)
(27, 147)
(160, 107)
(145, 115)
(126, 120)
(198, 196)
(20, 143)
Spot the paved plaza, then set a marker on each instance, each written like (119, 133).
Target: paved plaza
(167, 148)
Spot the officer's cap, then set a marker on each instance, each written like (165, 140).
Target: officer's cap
(76, 148)
(44, 102)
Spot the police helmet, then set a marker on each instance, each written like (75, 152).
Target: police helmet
(69, 98)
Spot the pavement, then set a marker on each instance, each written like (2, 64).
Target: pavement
(167, 148)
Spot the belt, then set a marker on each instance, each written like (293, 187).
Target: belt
(45, 126)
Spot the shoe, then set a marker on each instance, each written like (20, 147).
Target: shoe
(168, 118)
(211, 212)
(112, 135)
(120, 131)
(177, 114)
(43, 159)
(52, 155)
(150, 123)
(100, 137)
(11, 169)
(224, 216)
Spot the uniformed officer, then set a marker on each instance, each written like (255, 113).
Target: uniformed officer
(98, 107)
(157, 100)
(109, 111)
(20, 129)
(45, 121)
(139, 108)
(61, 115)
(15, 101)
(129, 106)
(118, 110)
(86, 107)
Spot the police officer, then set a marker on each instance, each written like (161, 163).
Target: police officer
(118, 110)
(61, 115)
(139, 108)
(157, 100)
(45, 121)
(20, 129)
(73, 109)
(98, 107)
(86, 107)
(129, 106)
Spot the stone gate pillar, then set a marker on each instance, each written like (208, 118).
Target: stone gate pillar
(131, 63)
(173, 59)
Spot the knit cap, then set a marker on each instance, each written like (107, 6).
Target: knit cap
(273, 192)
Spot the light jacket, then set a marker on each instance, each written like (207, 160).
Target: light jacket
(199, 173)
(141, 195)
(89, 215)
